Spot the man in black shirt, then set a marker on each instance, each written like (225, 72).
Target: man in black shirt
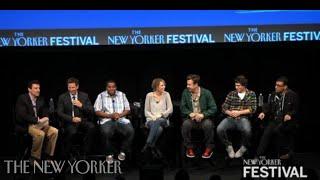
(281, 110)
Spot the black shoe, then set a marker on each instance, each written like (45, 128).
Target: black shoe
(48, 157)
(156, 153)
(145, 148)
(33, 160)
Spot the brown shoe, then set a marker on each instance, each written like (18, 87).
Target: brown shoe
(207, 153)
(285, 157)
(190, 153)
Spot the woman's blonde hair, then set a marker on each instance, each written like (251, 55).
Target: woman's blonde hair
(156, 83)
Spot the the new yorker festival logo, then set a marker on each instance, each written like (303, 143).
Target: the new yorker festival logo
(21, 40)
(61, 166)
(254, 35)
(270, 168)
(137, 37)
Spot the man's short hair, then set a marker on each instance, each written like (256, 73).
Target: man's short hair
(73, 80)
(111, 81)
(241, 79)
(194, 77)
(30, 83)
(284, 80)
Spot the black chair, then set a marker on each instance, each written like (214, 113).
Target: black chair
(167, 139)
(23, 144)
(23, 141)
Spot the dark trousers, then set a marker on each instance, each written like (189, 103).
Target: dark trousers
(71, 130)
(281, 133)
(108, 130)
(206, 125)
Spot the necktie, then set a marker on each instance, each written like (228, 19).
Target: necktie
(34, 106)
(35, 110)
(73, 98)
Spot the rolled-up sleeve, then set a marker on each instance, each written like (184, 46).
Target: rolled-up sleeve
(126, 102)
(98, 103)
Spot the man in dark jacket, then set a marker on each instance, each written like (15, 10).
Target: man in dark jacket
(197, 108)
(32, 116)
(281, 111)
(76, 111)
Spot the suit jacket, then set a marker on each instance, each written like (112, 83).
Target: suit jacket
(24, 111)
(65, 105)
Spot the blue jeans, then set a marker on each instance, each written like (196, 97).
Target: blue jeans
(156, 128)
(242, 124)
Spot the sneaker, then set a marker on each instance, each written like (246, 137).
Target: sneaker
(230, 152)
(109, 159)
(207, 153)
(190, 153)
(122, 156)
(240, 152)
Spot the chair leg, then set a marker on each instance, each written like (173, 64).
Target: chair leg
(25, 153)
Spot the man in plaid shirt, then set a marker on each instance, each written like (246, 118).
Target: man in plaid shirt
(238, 106)
(112, 107)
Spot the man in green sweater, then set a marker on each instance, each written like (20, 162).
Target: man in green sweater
(197, 108)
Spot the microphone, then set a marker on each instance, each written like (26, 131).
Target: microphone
(113, 106)
(73, 106)
(51, 106)
(269, 98)
(73, 98)
(260, 100)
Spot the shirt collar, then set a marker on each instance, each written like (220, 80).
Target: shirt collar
(246, 92)
(108, 95)
(33, 99)
(198, 93)
(76, 95)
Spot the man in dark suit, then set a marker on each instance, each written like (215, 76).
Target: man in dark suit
(32, 116)
(75, 110)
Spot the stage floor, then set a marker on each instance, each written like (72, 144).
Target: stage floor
(199, 171)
